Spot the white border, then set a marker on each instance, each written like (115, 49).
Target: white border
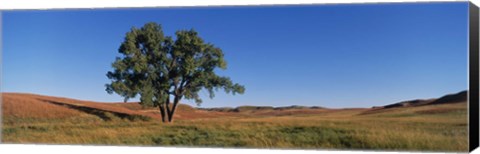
(84, 149)
(87, 4)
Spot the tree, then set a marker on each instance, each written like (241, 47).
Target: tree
(158, 68)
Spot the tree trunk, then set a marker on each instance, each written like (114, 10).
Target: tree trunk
(162, 112)
(174, 107)
(167, 102)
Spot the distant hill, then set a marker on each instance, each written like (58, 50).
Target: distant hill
(450, 98)
(260, 108)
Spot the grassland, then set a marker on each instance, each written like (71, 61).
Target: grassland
(35, 119)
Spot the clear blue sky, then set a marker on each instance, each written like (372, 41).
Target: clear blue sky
(326, 55)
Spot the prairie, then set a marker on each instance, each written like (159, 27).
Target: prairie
(29, 118)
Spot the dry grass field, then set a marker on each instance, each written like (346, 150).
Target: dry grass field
(28, 118)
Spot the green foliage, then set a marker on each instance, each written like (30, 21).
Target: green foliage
(156, 67)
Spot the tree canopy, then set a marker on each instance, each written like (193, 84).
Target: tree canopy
(158, 67)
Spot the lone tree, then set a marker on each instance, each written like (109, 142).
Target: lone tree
(157, 67)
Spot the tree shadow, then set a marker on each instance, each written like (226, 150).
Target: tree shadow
(102, 114)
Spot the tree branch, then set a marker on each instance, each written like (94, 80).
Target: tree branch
(179, 91)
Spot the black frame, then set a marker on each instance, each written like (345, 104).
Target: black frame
(473, 101)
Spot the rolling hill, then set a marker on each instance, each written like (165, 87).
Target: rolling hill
(449, 102)
(447, 99)
(19, 105)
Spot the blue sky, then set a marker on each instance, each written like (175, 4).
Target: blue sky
(350, 55)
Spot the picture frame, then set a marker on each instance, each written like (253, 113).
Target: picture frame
(123, 115)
